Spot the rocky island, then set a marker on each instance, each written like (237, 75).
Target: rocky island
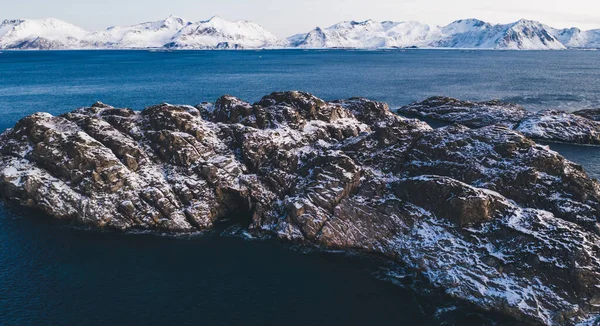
(485, 213)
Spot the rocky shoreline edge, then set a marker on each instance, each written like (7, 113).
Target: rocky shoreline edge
(484, 213)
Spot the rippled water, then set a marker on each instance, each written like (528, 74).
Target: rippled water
(52, 273)
(59, 81)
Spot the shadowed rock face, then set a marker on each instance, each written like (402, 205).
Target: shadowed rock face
(486, 214)
(580, 127)
(470, 114)
(592, 114)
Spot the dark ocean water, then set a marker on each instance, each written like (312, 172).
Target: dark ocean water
(51, 273)
(62, 81)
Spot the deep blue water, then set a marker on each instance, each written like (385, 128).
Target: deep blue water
(62, 81)
(51, 273)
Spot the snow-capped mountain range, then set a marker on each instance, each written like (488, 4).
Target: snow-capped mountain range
(172, 32)
(218, 33)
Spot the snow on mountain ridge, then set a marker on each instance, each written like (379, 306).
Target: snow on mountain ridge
(468, 33)
(576, 38)
(521, 35)
(145, 35)
(365, 34)
(171, 32)
(42, 33)
(529, 34)
(219, 33)
(465, 25)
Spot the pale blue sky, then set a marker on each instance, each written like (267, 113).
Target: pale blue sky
(285, 18)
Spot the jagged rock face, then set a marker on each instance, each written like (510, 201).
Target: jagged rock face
(550, 125)
(486, 214)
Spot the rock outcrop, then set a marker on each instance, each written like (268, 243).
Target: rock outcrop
(592, 114)
(558, 126)
(470, 114)
(486, 214)
(579, 127)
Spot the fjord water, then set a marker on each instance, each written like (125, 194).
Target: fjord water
(58, 81)
(52, 273)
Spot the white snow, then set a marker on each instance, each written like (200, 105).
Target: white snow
(145, 35)
(469, 33)
(14, 32)
(366, 34)
(576, 38)
(171, 32)
(218, 33)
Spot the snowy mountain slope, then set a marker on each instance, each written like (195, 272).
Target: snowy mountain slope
(46, 33)
(218, 33)
(469, 33)
(222, 34)
(313, 39)
(528, 34)
(145, 35)
(366, 34)
(521, 35)
(576, 38)
(172, 32)
(590, 39)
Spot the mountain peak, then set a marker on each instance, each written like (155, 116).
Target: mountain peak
(527, 22)
(174, 18)
(465, 26)
(216, 18)
(470, 21)
(174, 22)
(218, 32)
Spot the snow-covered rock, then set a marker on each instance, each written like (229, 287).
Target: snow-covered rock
(470, 114)
(553, 125)
(485, 214)
(550, 125)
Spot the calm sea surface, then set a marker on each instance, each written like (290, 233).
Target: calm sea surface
(51, 273)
